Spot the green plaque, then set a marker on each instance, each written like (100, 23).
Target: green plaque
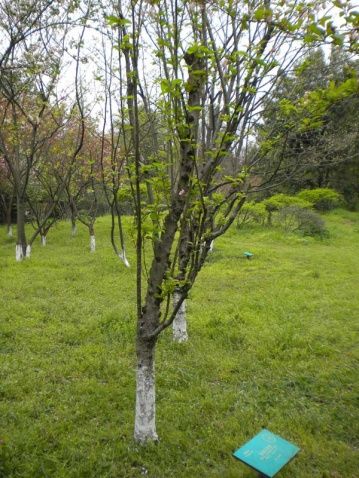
(266, 453)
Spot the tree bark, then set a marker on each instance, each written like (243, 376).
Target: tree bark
(21, 236)
(43, 240)
(179, 326)
(145, 417)
(92, 243)
(92, 237)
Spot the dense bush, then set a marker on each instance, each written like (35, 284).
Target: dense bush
(306, 221)
(293, 213)
(280, 201)
(252, 212)
(323, 199)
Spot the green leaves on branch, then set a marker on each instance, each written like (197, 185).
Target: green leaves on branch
(309, 111)
(199, 50)
(117, 21)
(169, 285)
(263, 14)
(237, 180)
(171, 87)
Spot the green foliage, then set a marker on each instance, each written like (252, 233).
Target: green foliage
(169, 285)
(172, 87)
(311, 122)
(252, 213)
(114, 21)
(293, 213)
(323, 199)
(263, 13)
(315, 104)
(305, 221)
(199, 50)
(279, 201)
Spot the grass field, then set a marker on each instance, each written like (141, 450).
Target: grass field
(273, 343)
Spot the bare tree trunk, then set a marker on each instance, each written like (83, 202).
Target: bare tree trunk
(179, 325)
(145, 418)
(21, 236)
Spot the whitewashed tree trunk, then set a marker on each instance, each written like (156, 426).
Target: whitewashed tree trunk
(92, 243)
(28, 251)
(19, 254)
(179, 325)
(9, 231)
(122, 256)
(43, 241)
(211, 246)
(145, 418)
(73, 230)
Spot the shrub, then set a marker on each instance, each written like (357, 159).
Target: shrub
(252, 212)
(280, 201)
(323, 199)
(306, 221)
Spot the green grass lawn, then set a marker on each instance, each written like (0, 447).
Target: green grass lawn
(273, 343)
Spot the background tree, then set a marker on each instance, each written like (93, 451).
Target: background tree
(114, 134)
(85, 182)
(29, 84)
(312, 123)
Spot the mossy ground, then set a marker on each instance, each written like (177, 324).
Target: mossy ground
(273, 342)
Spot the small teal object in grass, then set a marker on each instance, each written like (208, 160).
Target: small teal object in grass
(248, 255)
(266, 453)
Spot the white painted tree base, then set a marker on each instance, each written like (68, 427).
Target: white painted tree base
(179, 325)
(43, 241)
(73, 230)
(92, 243)
(9, 232)
(122, 256)
(28, 251)
(19, 255)
(211, 246)
(145, 418)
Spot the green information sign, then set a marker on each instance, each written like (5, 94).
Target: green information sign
(266, 453)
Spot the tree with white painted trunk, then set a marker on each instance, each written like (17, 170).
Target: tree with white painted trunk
(114, 137)
(84, 183)
(42, 198)
(215, 64)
